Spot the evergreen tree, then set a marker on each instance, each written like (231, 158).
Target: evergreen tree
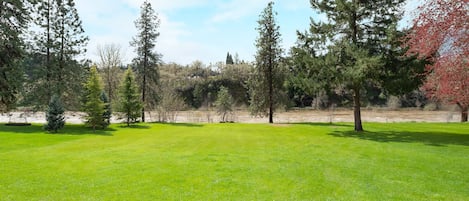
(94, 106)
(70, 42)
(356, 35)
(224, 103)
(14, 18)
(229, 59)
(107, 110)
(147, 59)
(58, 40)
(55, 115)
(266, 84)
(309, 73)
(129, 104)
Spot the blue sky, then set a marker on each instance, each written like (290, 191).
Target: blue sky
(192, 30)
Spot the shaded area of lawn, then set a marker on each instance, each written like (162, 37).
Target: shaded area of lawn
(429, 138)
(433, 134)
(69, 129)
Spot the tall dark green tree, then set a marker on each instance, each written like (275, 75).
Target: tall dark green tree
(356, 35)
(402, 73)
(130, 104)
(266, 84)
(14, 17)
(229, 59)
(147, 59)
(309, 73)
(58, 40)
(71, 42)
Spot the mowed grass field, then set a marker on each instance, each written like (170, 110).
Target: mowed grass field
(399, 161)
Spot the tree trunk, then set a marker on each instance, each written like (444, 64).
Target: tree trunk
(271, 99)
(109, 83)
(143, 98)
(356, 110)
(48, 54)
(270, 78)
(271, 115)
(144, 83)
(464, 112)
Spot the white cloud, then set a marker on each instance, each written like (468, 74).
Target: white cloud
(237, 9)
(108, 21)
(166, 5)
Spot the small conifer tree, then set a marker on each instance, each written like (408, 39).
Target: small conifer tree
(224, 103)
(94, 106)
(130, 104)
(107, 110)
(55, 115)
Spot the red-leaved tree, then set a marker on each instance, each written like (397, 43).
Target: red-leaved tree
(440, 33)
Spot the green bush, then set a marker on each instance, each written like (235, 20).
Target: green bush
(55, 115)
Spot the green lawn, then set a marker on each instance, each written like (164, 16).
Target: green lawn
(405, 161)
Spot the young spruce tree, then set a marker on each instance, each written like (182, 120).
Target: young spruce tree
(266, 84)
(107, 110)
(55, 115)
(130, 104)
(94, 106)
(224, 103)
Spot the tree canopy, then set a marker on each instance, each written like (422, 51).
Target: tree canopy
(14, 18)
(267, 80)
(440, 34)
(355, 36)
(147, 59)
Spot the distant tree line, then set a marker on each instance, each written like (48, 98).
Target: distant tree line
(358, 57)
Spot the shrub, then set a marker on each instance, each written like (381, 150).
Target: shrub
(55, 115)
(224, 103)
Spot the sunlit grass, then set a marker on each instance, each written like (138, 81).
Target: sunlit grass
(406, 161)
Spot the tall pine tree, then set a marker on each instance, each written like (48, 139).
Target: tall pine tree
(266, 84)
(14, 18)
(356, 33)
(58, 40)
(147, 59)
(229, 59)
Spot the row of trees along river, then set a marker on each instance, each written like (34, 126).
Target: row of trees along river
(359, 56)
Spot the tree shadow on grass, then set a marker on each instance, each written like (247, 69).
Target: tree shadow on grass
(428, 138)
(82, 130)
(324, 124)
(22, 129)
(69, 129)
(183, 124)
(135, 126)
